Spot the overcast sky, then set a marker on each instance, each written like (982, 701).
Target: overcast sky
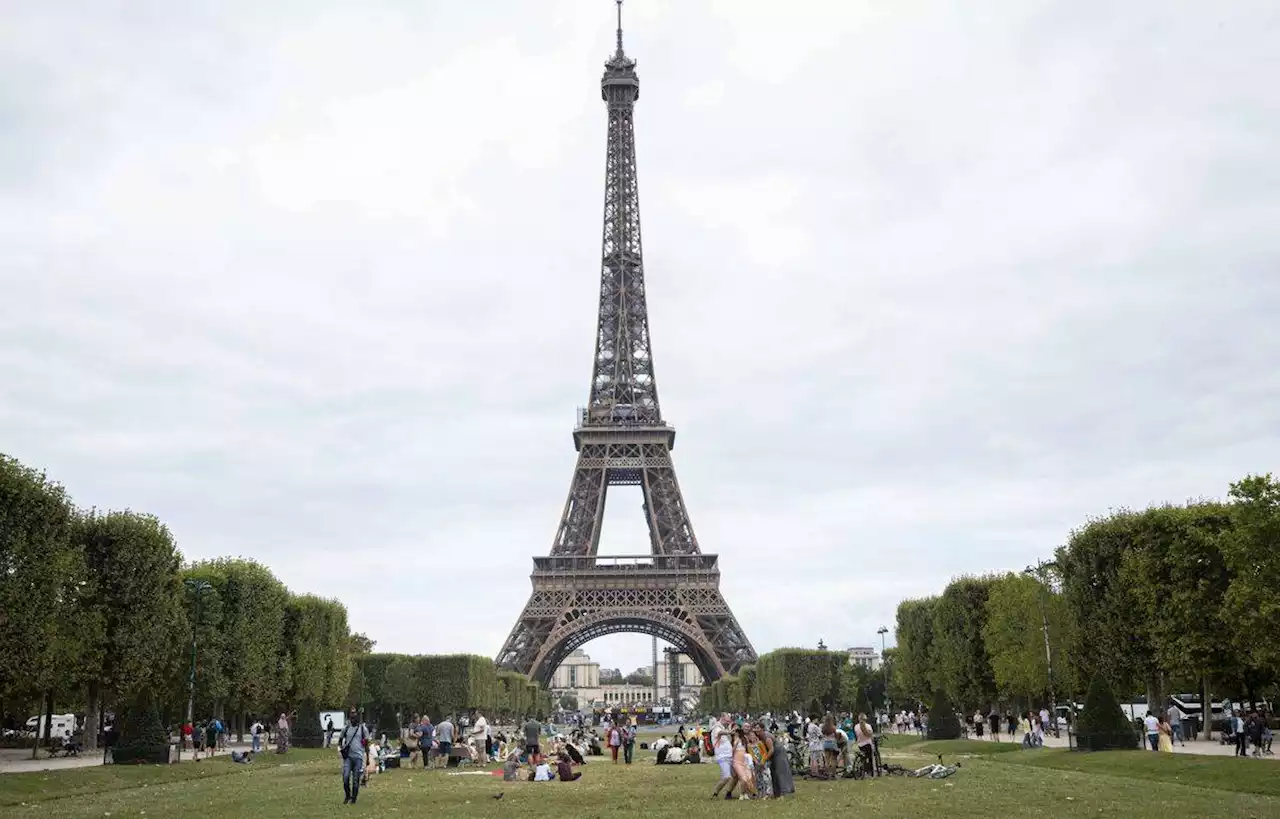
(315, 283)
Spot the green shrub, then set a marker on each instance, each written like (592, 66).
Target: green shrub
(1102, 726)
(307, 732)
(143, 738)
(943, 722)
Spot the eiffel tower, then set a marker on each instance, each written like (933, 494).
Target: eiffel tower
(674, 592)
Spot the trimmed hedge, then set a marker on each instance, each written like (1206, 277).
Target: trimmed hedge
(943, 722)
(307, 732)
(1102, 726)
(143, 738)
(794, 679)
(442, 684)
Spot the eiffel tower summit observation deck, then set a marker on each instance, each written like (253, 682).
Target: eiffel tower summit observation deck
(674, 591)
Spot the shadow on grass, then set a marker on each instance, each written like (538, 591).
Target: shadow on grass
(44, 786)
(1223, 773)
(949, 747)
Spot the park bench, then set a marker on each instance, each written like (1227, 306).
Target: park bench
(65, 748)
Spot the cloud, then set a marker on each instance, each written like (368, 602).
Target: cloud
(316, 284)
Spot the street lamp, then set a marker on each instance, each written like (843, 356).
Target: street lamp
(198, 588)
(1039, 572)
(882, 631)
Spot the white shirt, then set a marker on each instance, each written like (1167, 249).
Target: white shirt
(481, 728)
(1153, 724)
(659, 745)
(721, 741)
(542, 773)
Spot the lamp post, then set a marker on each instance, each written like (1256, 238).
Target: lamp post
(1039, 572)
(884, 667)
(198, 588)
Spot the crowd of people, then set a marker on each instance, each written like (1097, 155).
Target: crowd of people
(756, 758)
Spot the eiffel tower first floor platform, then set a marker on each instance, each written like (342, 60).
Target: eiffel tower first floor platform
(673, 597)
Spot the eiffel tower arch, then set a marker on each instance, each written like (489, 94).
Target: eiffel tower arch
(674, 591)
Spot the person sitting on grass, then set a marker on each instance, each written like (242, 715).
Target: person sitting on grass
(242, 757)
(511, 768)
(565, 771)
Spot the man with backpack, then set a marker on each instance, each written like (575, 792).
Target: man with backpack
(351, 745)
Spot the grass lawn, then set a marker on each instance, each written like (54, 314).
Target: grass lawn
(993, 782)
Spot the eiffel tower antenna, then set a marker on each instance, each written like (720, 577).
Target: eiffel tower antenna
(619, 2)
(672, 593)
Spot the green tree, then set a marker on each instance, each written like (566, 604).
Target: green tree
(253, 602)
(914, 667)
(1110, 633)
(798, 679)
(1251, 553)
(568, 702)
(1014, 636)
(962, 666)
(41, 572)
(1179, 579)
(316, 643)
(399, 688)
(133, 608)
(895, 691)
(202, 604)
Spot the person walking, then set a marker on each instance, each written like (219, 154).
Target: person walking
(211, 737)
(628, 742)
(255, 731)
(615, 742)
(993, 720)
(1174, 715)
(351, 745)
(1153, 730)
(328, 733)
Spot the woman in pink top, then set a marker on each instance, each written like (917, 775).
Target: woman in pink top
(866, 738)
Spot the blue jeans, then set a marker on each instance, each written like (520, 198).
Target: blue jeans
(1176, 730)
(1154, 739)
(256, 743)
(352, 770)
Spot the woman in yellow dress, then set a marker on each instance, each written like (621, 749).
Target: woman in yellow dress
(1165, 743)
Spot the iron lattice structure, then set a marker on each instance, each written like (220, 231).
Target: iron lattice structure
(674, 592)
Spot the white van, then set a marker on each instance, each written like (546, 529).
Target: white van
(339, 720)
(62, 725)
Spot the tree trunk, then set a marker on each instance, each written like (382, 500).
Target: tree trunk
(48, 719)
(93, 711)
(1154, 695)
(1206, 707)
